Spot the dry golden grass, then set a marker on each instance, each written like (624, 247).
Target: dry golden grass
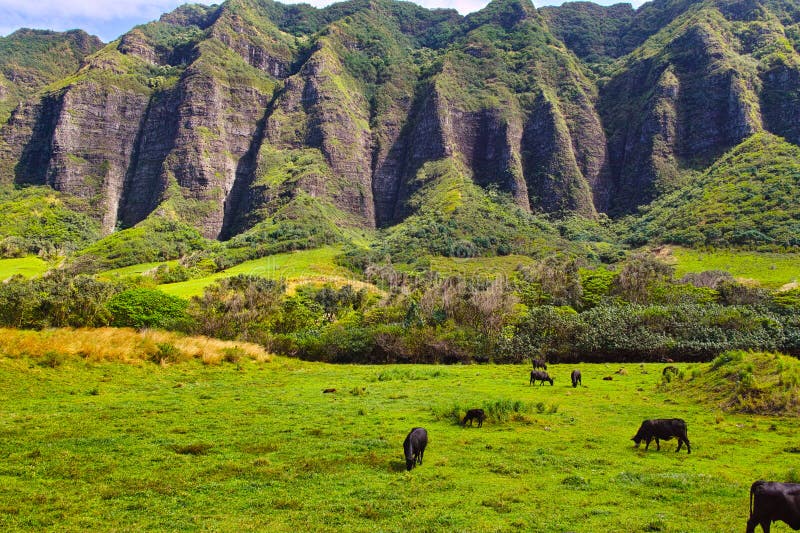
(125, 345)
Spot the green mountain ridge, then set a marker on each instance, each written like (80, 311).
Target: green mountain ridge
(272, 127)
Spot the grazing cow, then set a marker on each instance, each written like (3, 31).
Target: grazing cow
(414, 446)
(576, 378)
(669, 369)
(540, 375)
(771, 501)
(539, 363)
(474, 414)
(663, 428)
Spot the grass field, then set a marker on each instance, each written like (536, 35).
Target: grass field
(102, 446)
(480, 266)
(29, 267)
(770, 270)
(140, 268)
(299, 266)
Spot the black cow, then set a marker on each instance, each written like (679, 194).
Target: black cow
(540, 375)
(669, 369)
(474, 414)
(771, 501)
(663, 428)
(414, 446)
(576, 378)
(539, 363)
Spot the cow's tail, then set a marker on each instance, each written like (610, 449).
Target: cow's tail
(752, 494)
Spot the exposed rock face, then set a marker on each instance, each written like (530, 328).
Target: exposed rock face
(92, 143)
(682, 107)
(233, 112)
(556, 182)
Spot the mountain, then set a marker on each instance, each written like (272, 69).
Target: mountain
(30, 59)
(273, 127)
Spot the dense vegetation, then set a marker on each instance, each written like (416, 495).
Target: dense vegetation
(553, 308)
(746, 199)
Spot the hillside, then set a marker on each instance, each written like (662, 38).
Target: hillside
(747, 198)
(30, 59)
(272, 127)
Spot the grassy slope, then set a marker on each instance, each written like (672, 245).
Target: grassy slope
(279, 455)
(479, 266)
(770, 270)
(140, 268)
(748, 197)
(312, 265)
(29, 267)
(745, 382)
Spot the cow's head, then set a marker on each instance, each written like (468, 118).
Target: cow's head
(409, 464)
(637, 439)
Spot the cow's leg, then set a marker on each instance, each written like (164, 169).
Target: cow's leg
(658, 445)
(688, 447)
(647, 443)
(751, 525)
(680, 443)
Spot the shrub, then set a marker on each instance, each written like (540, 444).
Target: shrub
(148, 308)
(164, 353)
(52, 359)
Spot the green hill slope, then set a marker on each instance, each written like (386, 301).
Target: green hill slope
(747, 198)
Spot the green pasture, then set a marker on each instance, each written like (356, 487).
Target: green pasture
(251, 446)
(132, 270)
(311, 265)
(771, 270)
(29, 267)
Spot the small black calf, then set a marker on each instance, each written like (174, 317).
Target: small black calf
(576, 378)
(474, 414)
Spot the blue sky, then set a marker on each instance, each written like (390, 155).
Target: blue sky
(110, 18)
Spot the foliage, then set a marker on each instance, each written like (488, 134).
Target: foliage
(55, 300)
(147, 308)
(42, 221)
(745, 199)
(154, 239)
(239, 307)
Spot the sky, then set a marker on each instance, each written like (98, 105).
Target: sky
(108, 19)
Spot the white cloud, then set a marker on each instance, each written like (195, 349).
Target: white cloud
(109, 19)
(89, 9)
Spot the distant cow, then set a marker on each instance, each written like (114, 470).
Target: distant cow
(474, 414)
(540, 375)
(539, 363)
(414, 446)
(663, 428)
(576, 378)
(771, 501)
(669, 370)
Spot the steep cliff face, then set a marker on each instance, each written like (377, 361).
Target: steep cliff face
(259, 120)
(686, 96)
